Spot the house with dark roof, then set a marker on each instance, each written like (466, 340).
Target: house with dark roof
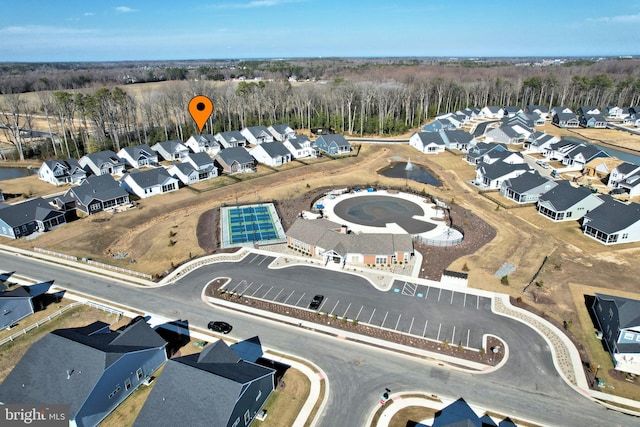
(613, 222)
(273, 154)
(235, 160)
(204, 143)
(194, 167)
(256, 135)
(171, 150)
(559, 109)
(427, 142)
(333, 144)
(477, 152)
(492, 112)
(565, 120)
(35, 215)
(91, 368)
(281, 132)
(300, 146)
(618, 319)
(613, 112)
(593, 121)
(622, 172)
(95, 194)
(630, 185)
(17, 303)
(538, 142)
(138, 156)
(60, 172)
(457, 139)
(491, 175)
(508, 156)
(506, 135)
(436, 126)
(581, 155)
(102, 163)
(527, 187)
(215, 388)
(541, 110)
(333, 242)
(460, 414)
(149, 182)
(511, 110)
(567, 203)
(184, 172)
(231, 139)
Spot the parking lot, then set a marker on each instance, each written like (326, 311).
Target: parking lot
(424, 311)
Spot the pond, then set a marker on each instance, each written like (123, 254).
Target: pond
(11, 173)
(408, 170)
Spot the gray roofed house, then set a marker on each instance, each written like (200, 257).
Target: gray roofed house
(95, 194)
(333, 144)
(185, 172)
(300, 146)
(35, 215)
(538, 142)
(567, 203)
(428, 142)
(281, 132)
(618, 319)
(506, 135)
(512, 110)
(479, 150)
(457, 139)
(171, 150)
(526, 188)
(235, 160)
(273, 153)
(213, 388)
(613, 222)
(332, 241)
(581, 155)
(204, 143)
(231, 139)
(17, 303)
(491, 175)
(565, 120)
(138, 156)
(102, 163)
(91, 368)
(59, 172)
(621, 172)
(149, 182)
(257, 135)
(593, 121)
(492, 112)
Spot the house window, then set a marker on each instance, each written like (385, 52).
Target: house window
(625, 235)
(259, 395)
(127, 384)
(247, 417)
(610, 313)
(114, 392)
(569, 214)
(139, 373)
(381, 259)
(236, 422)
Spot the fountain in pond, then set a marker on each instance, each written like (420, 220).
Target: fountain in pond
(409, 165)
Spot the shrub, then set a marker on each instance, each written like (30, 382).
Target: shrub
(172, 233)
(172, 242)
(445, 344)
(460, 348)
(539, 283)
(465, 267)
(354, 322)
(505, 280)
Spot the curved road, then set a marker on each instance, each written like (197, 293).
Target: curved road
(527, 386)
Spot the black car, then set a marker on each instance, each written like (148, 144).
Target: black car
(221, 327)
(315, 302)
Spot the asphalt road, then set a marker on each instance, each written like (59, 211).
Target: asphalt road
(527, 386)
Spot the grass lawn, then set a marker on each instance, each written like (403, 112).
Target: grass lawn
(284, 404)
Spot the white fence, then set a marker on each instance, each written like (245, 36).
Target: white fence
(56, 254)
(119, 269)
(57, 313)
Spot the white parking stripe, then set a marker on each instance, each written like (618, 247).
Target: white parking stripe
(254, 292)
(464, 303)
(278, 294)
(370, 318)
(358, 315)
(439, 293)
(468, 332)
(265, 295)
(300, 299)
(453, 335)
(236, 286)
(262, 260)
(426, 295)
(345, 312)
(384, 320)
(398, 322)
(411, 326)
(424, 332)
(478, 302)
(285, 301)
(452, 294)
(334, 307)
(439, 327)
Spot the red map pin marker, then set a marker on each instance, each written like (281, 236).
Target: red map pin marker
(200, 108)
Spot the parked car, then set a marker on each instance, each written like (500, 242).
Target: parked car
(221, 327)
(316, 301)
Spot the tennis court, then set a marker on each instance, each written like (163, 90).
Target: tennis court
(248, 225)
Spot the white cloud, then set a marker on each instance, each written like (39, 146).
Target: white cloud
(89, 14)
(125, 9)
(256, 3)
(41, 30)
(620, 19)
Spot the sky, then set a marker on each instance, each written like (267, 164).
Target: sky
(123, 30)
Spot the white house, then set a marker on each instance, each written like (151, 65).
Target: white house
(281, 132)
(60, 172)
(149, 182)
(257, 135)
(427, 142)
(613, 222)
(272, 153)
(300, 146)
(231, 139)
(171, 150)
(567, 203)
(102, 163)
(492, 112)
(492, 175)
(206, 143)
(138, 156)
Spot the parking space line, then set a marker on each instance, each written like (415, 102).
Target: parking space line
(285, 301)
(322, 305)
(439, 293)
(254, 258)
(424, 332)
(452, 294)
(300, 299)
(426, 295)
(345, 312)
(254, 292)
(262, 260)
(398, 322)
(239, 283)
(478, 302)
(276, 297)
(453, 335)
(464, 303)
(334, 307)
(265, 295)
(384, 320)
(358, 315)
(411, 325)
(371, 318)
(409, 288)
(468, 332)
(439, 327)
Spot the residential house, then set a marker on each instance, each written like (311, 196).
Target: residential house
(300, 146)
(25, 218)
(567, 203)
(184, 172)
(60, 172)
(149, 182)
(538, 142)
(138, 156)
(511, 110)
(202, 163)
(95, 194)
(102, 163)
(577, 158)
(508, 156)
(631, 185)
(333, 242)
(541, 110)
(613, 112)
(601, 167)
(272, 154)
(505, 135)
(333, 144)
(256, 135)
(452, 120)
(428, 142)
(477, 152)
(593, 121)
(587, 110)
(559, 109)
(205, 143)
(231, 139)
(565, 120)
(457, 139)
(281, 132)
(526, 188)
(560, 150)
(492, 112)
(17, 303)
(90, 368)
(171, 150)
(460, 414)
(215, 388)
(613, 222)
(436, 126)
(491, 175)
(235, 160)
(618, 320)
(622, 172)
